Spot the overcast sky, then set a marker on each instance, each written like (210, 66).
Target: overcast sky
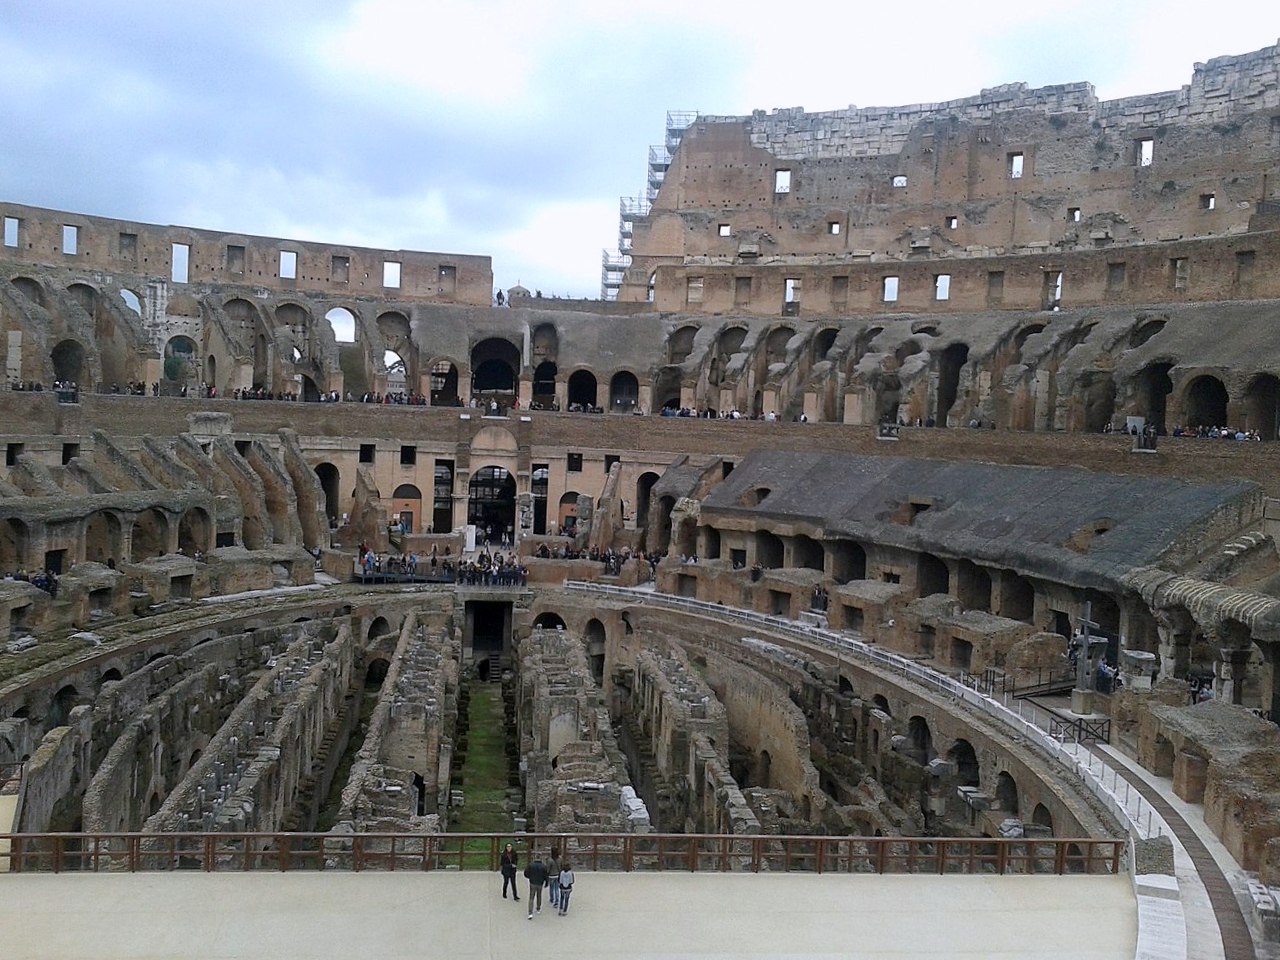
(494, 127)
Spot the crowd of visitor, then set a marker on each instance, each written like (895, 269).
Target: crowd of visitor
(46, 580)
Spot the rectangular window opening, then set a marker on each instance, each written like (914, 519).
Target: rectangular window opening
(839, 292)
(1179, 273)
(833, 227)
(181, 265)
(782, 181)
(288, 265)
(1073, 214)
(1052, 294)
(408, 456)
(70, 239)
(573, 462)
(741, 291)
(953, 223)
(609, 460)
(235, 258)
(1116, 276)
(391, 274)
(128, 243)
(11, 231)
(899, 181)
(1016, 165)
(693, 290)
(367, 451)
(69, 452)
(995, 286)
(725, 230)
(448, 276)
(1208, 201)
(890, 290)
(942, 286)
(11, 454)
(791, 296)
(1244, 266)
(1144, 151)
(340, 269)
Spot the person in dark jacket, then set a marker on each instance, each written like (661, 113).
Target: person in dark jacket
(510, 860)
(536, 874)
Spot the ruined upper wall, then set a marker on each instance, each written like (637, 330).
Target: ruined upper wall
(147, 251)
(1223, 86)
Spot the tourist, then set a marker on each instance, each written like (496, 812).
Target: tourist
(566, 886)
(510, 860)
(553, 877)
(536, 874)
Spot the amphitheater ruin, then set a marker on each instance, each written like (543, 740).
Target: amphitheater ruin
(908, 502)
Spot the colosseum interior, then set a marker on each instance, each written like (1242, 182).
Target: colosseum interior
(911, 481)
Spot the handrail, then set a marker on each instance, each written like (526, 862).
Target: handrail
(631, 852)
(1105, 783)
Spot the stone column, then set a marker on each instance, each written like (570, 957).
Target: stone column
(1229, 674)
(1176, 630)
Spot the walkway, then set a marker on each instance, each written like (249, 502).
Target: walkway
(451, 916)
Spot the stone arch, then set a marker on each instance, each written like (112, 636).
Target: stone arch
(131, 300)
(932, 575)
(582, 389)
(84, 295)
(378, 668)
(1026, 333)
(775, 345)
(68, 359)
(548, 620)
(1144, 331)
(1017, 597)
(378, 627)
(1006, 793)
(64, 701)
(491, 501)
(807, 553)
(1097, 391)
(112, 675)
(644, 492)
(545, 343)
(400, 355)
(444, 384)
(102, 530)
(1041, 817)
(342, 323)
(567, 515)
(680, 344)
(495, 366)
(881, 703)
(769, 551)
(849, 561)
(406, 507)
(921, 739)
(195, 531)
(15, 544)
(950, 364)
(822, 343)
(624, 392)
(181, 365)
(1205, 402)
(331, 483)
(1262, 405)
(30, 288)
(150, 535)
(1153, 385)
(666, 389)
(544, 382)
(965, 758)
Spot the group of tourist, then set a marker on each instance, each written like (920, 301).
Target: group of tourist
(46, 580)
(554, 874)
(733, 414)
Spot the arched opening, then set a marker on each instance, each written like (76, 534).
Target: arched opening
(595, 639)
(567, 515)
(1206, 404)
(1006, 793)
(1144, 332)
(491, 502)
(211, 370)
(494, 366)
(681, 345)
(807, 553)
(881, 703)
(950, 364)
(444, 384)
(1041, 817)
(764, 770)
(888, 398)
(973, 586)
(966, 760)
(150, 535)
(1097, 391)
(102, 538)
(1153, 387)
(582, 390)
(1022, 336)
(544, 383)
(68, 362)
(194, 532)
(823, 341)
(624, 392)
(549, 621)
(666, 389)
(181, 363)
(343, 324)
(380, 627)
(330, 482)
(131, 301)
(768, 550)
(1262, 405)
(30, 289)
(111, 676)
(376, 672)
(397, 372)
(406, 508)
(932, 575)
(644, 491)
(60, 709)
(775, 345)
(1017, 597)
(15, 540)
(921, 739)
(662, 527)
(849, 561)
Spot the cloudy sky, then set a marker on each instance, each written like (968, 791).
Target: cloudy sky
(496, 127)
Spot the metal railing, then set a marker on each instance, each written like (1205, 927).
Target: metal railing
(1114, 792)
(698, 853)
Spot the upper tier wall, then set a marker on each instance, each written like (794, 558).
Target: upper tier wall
(148, 252)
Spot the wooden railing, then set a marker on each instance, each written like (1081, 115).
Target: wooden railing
(220, 852)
